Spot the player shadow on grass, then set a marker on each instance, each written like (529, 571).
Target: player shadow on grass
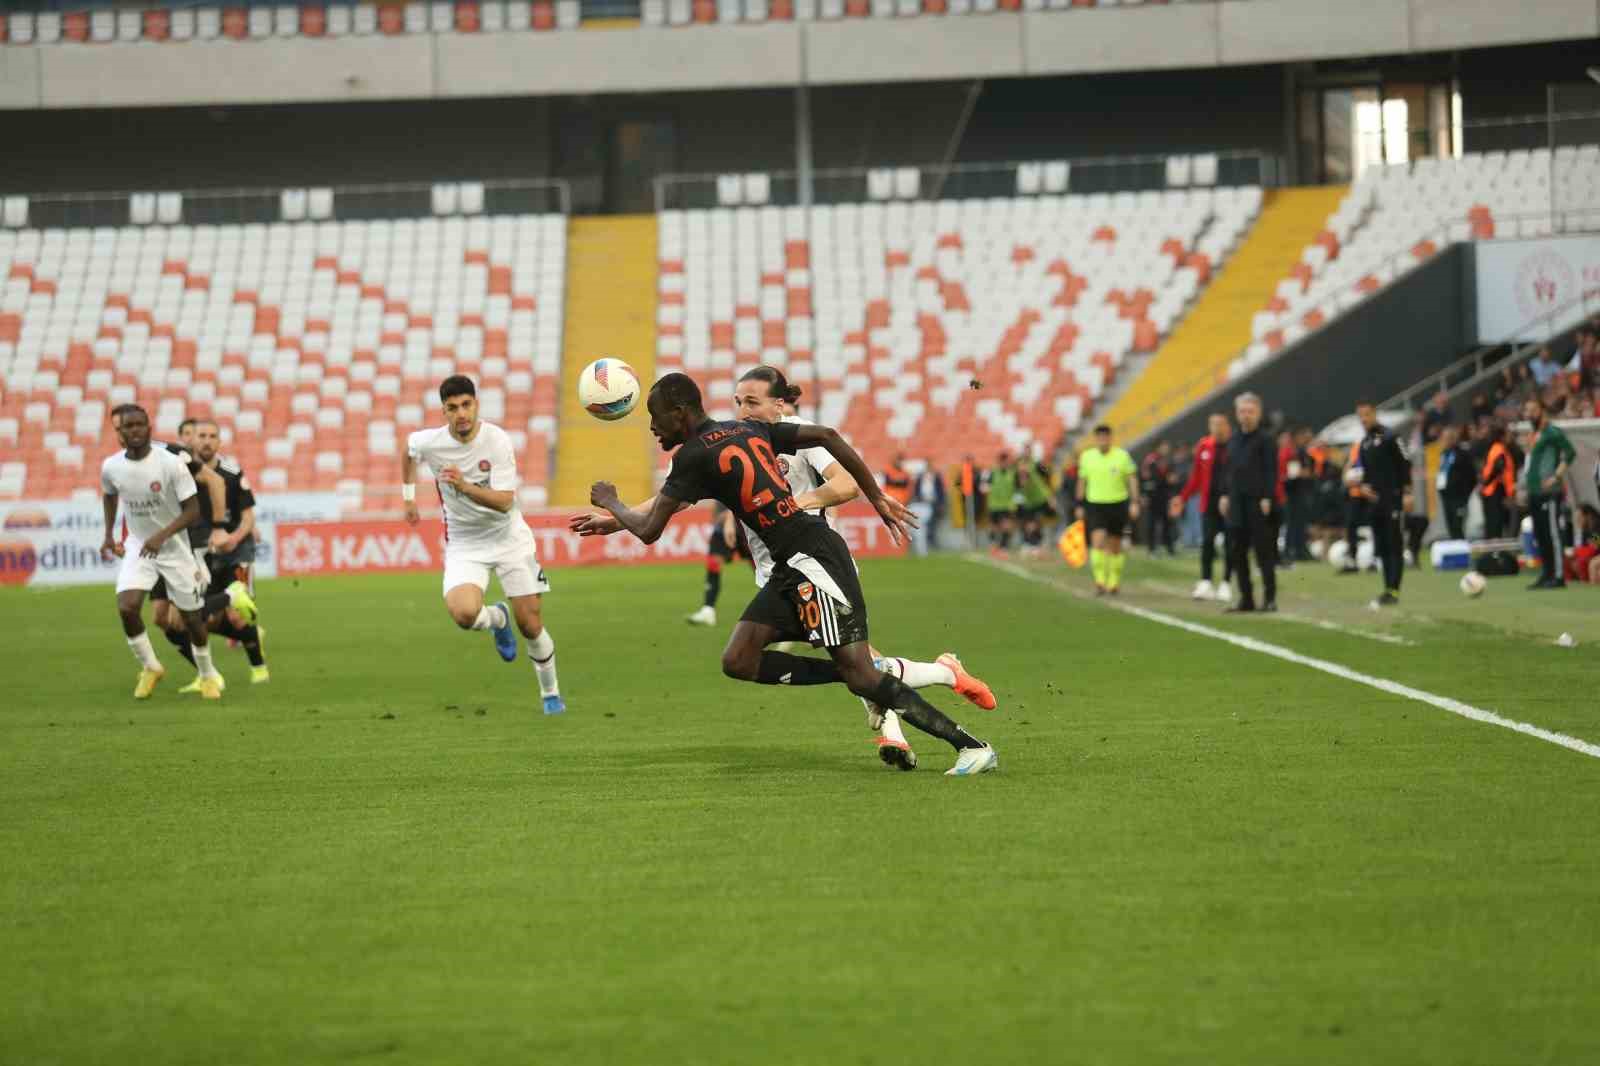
(755, 760)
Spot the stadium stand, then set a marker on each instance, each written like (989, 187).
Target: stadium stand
(1396, 216)
(254, 23)
(941, 327)
(315, 345)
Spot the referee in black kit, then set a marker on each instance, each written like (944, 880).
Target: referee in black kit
(1386, 486)
(1250, 504)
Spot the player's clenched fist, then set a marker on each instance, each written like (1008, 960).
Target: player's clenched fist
(451, 475)
(110, 550)
(603, 494)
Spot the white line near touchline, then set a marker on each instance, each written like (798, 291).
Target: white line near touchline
(1320, 623)
(1395, 688)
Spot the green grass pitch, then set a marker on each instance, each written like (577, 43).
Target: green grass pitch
(1193, 853)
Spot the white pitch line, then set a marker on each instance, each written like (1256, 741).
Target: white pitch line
(1394, 688)
(1320, 623)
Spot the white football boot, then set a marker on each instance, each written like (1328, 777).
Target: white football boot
(974, 761)
(1224, 592)
(1202, 591)
(705, 616)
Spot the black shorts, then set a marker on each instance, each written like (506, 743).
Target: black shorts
(235, 567)
(1111, 517)
(797, 601)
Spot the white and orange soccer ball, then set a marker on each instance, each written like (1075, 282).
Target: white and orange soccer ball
(608, 389)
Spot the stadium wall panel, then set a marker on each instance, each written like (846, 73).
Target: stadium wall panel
(1255, 32)
(1407, 330)
(19, 77)
(1438, 25)
(141, 74)
(610, 61)
(856, 50)
(1058, 42)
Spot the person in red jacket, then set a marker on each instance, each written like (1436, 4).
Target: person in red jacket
(1205, 482)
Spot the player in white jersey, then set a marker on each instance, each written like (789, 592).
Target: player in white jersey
(475, 467)
(159, 502)
(821, 485)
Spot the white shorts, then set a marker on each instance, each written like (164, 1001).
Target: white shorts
(185, 575)
(515, 561)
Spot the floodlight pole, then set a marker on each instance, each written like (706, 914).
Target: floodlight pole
(802, 144)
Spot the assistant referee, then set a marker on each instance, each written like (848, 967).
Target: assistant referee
(1108, 499)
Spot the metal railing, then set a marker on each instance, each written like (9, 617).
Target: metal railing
(1198, 386)
(223, 206)
(962, 181)
(1483, 365)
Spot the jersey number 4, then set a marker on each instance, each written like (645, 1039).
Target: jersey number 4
(751, 500)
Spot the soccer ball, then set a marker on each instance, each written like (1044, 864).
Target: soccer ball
(1338, 554)
(608, 389)
(1473, 584)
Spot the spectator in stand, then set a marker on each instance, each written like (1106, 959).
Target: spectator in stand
(1543, 487)
(1436, 417)
(928, 504)
(1481, 407)
(1155, 485)
(1544, 367)
(1496, 484)
(1206, 481)
(1001, 493)
(1250, 504)
(1458, 477)
(1585, 361)
(897, 480)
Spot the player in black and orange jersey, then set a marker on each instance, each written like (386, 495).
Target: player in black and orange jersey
(814, 594)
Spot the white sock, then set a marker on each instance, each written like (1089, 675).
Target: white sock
(925, 675)
(891, 727)
(202, 660)
(542, 651)
(490, 617)
(143, 652)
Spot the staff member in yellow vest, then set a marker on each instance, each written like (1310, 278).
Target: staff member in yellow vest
(1108, 499)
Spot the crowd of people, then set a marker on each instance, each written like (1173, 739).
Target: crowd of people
(1305, 497)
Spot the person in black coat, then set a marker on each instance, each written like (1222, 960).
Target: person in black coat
(1250, 504)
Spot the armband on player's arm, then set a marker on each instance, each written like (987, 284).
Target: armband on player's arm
(408, 491)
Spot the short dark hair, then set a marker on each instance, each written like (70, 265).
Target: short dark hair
(1364, 402)
(778, 386)
(127, 409)
(1537, 402)
(1103, 428)
(678, 390)
(185, 424)
(456, 385)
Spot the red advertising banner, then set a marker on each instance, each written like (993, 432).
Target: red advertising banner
(362, 545)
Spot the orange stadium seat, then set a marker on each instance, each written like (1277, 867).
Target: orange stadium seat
(936, 327)
(287, 334)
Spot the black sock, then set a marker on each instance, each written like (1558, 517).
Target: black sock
(215, 602)
(892, 692)
(248, 636)
(181, 642)
(781, 668)
(713, 587)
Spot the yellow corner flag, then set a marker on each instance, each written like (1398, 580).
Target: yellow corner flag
(1074, 548)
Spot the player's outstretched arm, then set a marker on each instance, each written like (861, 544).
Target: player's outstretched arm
(590, 524)
(896, 515)
(647, 525)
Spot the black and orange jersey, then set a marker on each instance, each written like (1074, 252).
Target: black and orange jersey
(736, 464)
